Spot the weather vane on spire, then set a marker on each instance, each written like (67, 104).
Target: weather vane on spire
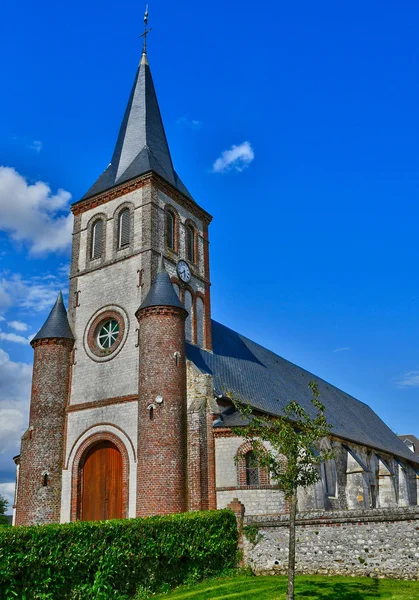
(146, 31)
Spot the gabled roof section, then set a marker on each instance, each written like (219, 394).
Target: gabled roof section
(141, 145)
(268, 382)
(56, 325)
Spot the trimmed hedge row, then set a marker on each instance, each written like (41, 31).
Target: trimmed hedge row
(114, 559)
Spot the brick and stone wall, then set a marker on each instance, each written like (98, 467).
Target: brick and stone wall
(375, 542)
(201, 412)
(364, 479)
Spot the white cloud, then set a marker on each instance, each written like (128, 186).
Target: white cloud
(189, 123)
(31, 213)
(13, 337)
(343, 349)
(35, 294)
(237, 158)
(18, 325)
(15, 388)
(36, 145)
(7, 490)
(409, 379)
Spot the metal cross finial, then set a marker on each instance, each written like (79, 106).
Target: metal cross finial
(146, 31)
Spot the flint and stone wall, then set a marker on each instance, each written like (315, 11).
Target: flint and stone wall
(375, 542)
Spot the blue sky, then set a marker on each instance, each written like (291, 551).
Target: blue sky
(314, 241)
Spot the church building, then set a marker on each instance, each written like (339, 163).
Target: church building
(129, 414)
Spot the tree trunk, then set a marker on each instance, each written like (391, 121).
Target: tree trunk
(291, 546)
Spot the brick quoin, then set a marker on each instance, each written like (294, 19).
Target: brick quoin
(42, 444)
(161, 471)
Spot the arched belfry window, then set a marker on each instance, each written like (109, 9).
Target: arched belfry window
(190, 243)
(170, 230)
(252, 468)
(124, 228)
(97, 235)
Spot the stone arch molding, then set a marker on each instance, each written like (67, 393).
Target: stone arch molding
(96, 433)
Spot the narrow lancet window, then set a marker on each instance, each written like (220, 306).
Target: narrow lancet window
(97, 233)
(124, 228)
(330, 478)
(190, 243)
(170, 230)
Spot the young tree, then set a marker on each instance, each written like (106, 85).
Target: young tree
(3, 507)
(287, 446)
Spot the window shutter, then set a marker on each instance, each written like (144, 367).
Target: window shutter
(97, 239)
(124, 228)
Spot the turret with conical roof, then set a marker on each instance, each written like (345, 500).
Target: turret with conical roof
(56, 325)
(162, 401)
(162, 292)
(42, 447)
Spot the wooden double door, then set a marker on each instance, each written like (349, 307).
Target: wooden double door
(101, 493)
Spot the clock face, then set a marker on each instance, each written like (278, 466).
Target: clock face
(184, 271)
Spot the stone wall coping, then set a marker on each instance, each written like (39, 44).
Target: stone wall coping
(372, 515)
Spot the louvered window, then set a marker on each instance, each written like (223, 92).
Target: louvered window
(252, 469)
(170, 230)
(97, 234)
(124, 228)
(190, 243)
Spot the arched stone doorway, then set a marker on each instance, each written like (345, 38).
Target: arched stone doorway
(101, 495)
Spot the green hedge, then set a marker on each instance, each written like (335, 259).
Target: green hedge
(113, 559)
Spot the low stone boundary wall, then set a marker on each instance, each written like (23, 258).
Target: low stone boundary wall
(375, 542)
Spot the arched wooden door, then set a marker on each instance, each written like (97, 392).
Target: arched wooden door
(101, 494)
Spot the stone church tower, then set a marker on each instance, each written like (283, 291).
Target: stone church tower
(129, 414)
(108, 434)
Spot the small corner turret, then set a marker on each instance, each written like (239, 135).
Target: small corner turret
(56, 325)
(162, 400)
(40, 469)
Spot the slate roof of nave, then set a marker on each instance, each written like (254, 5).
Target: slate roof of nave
(268, 382)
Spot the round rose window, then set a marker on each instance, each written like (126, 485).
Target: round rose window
(108, 334)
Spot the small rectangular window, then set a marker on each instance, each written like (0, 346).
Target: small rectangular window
(252, 469)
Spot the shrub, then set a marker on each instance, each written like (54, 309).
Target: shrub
(112, 559)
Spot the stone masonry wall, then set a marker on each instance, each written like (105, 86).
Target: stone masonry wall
(375, 542)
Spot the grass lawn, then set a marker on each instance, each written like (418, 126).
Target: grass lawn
(307, 588)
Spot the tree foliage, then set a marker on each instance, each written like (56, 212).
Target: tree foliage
(3, 507)
(287, 446)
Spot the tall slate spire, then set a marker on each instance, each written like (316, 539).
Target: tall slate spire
(141, 145)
